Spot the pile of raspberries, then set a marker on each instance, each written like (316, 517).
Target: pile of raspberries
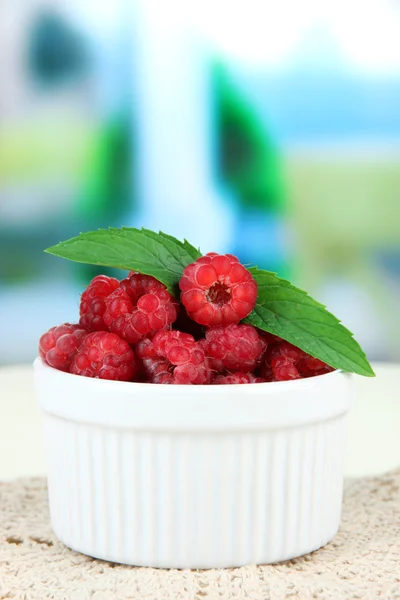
(134, 330)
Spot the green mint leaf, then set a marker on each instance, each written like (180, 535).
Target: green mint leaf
(290, 313)
(195, 253)
(157, 254)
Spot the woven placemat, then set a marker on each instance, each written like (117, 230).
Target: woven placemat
(363, 561)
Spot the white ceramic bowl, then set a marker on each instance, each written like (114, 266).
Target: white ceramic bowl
(194, 476)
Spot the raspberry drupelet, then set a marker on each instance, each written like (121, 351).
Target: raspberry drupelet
(104, 355)
(234, 348)
(175, 358)
(92, 304)
(58, 346)
(217, 290)
(139, 307)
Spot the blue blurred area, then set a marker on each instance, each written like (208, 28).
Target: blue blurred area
(283, 149)
(309, 106)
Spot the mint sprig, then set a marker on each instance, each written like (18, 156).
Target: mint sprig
(157, 254)
(281, 308)
(290, 313)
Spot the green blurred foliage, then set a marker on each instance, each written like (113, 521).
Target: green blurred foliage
(248, 157)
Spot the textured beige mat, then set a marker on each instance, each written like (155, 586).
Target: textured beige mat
(363, 562)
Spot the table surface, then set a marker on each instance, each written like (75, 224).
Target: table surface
(373, 445)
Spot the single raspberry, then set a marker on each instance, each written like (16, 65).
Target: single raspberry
(238, 378)
(139, 307)
(58, 346)
(104, 355)
(280, 361)
(217, 290)
(234, 348)
(283, 361)
(283, 369)
(174, 357)
(310, 366)
(92, 305)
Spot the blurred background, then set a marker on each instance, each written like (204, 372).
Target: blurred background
(269, 130)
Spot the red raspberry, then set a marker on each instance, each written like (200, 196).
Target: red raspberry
(217, 290)
(174, 357)
(139, 307)
(280, 362)
(234, 348)
(105, 356)
(283, 369)
(92, 302)
(310, 366)
(238, 378)
(283, 361)
(58, 346)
